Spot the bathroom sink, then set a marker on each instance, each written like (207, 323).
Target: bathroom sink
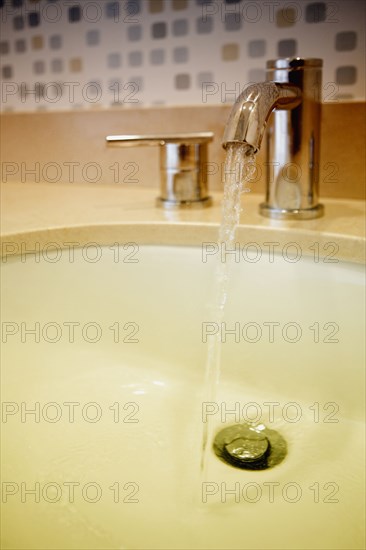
(114, 373)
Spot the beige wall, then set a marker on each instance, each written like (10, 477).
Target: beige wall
(70, 141)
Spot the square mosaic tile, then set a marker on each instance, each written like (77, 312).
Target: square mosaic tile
(169, 52)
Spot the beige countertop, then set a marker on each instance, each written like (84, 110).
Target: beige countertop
(41, 214)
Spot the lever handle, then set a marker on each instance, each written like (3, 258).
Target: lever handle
(183, 165)
(157, 139)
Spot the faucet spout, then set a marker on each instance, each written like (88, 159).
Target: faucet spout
(249, 115)
(292, 93)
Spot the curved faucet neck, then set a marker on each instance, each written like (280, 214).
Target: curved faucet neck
(249, 115)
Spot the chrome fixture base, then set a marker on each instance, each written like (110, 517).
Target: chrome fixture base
(175, 205)
(295, 214)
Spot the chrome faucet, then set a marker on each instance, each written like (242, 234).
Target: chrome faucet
(288, 104)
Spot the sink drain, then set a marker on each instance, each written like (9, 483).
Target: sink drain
(250, 447)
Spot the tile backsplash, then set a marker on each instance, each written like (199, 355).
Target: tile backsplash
(66, 54)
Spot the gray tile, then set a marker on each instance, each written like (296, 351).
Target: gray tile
(74, 14)
(134, 33)
(7, 71)
(182, 81)
(4, 47)
(204, 25)
(180, 55)
(257, 48)
(114, 60)
(233, 21)
(346, 74)
(204, 77)
(316, 12)
(135, 59)
(345, 41)
(93, 37)
(20, 46)
(180, 27)
(57, 65)
(18, 23)
(112, 10)
(287, 48)
(158, 30)
(157, 57)
(55, 41)
(132, 8)
(38, 67)
(33, 19)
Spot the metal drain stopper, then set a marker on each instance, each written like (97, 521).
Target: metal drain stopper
(250, 447)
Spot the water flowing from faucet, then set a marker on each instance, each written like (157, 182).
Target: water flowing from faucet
(238, 170)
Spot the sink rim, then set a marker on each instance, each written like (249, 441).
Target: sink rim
(184, 233)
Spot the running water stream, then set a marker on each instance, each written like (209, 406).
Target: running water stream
(238, 170)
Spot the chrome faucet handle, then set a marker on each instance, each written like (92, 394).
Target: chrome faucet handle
(183, 166)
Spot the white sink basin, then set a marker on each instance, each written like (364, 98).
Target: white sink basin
(145, 452)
